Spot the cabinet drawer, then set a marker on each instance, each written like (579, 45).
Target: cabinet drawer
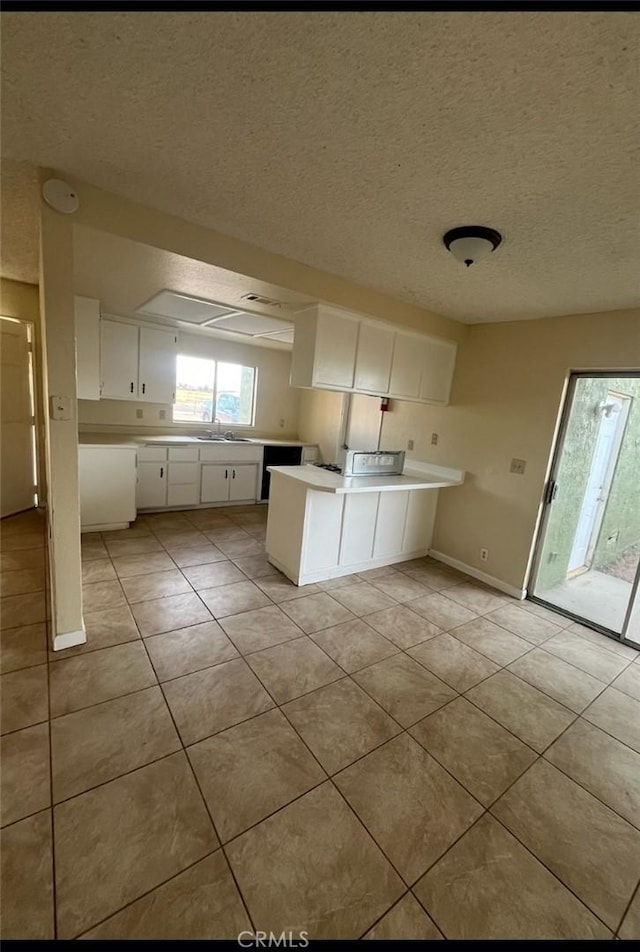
(187, 495)
(183, 454)
(230, 452)
(152, 454)
(183, 473)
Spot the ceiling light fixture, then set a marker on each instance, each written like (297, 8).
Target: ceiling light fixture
(471, 243)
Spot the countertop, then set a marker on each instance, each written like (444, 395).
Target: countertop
(416, 475)
(132, 439)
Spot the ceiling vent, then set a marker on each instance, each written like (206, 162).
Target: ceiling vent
(259, 299)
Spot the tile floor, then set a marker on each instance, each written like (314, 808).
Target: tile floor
(400, 754)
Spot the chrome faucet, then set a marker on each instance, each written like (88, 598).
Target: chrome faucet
(229, 435)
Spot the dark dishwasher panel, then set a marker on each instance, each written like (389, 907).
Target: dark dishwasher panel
(278, 456)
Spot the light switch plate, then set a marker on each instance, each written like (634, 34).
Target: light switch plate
(60, 408)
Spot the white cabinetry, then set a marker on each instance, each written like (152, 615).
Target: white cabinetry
(228, 482)
(152, 486)
(183, 487)
(339, 350)
(373, 359)
(107, 480)
(137, 363)
(87, 326)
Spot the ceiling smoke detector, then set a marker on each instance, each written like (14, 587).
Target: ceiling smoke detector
(471, 243)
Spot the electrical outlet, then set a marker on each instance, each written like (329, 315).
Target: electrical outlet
(281, 423)
(409, 444)
(434, 439)
(518, 466)
(484, 555)
(139, 413)
(162, 414)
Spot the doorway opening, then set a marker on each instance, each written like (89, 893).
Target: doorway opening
(587, 559)
(18, 456)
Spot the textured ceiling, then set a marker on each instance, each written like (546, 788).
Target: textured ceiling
(352, 141)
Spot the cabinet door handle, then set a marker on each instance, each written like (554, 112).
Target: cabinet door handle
(226, 474)
(234, 474)
(131, 386)
(144, 387)
(162, 472)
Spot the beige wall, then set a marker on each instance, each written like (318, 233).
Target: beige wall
(319, 417)
(275, 399)
(505, 403)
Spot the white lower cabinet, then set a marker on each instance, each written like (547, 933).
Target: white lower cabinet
(152, 485)
(228, 482)
(358, 527)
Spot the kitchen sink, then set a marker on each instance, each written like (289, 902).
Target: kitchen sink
(225, 439)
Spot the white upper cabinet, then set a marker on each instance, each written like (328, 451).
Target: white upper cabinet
(439, 358)
(157, 368)
(119, 361)
(373, 358)
(324, 350)
(406, 367)
(87, 321)
(137, 363)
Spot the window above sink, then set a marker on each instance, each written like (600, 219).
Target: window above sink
(211, 391)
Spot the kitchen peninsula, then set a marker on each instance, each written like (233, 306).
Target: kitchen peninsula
(322, 525)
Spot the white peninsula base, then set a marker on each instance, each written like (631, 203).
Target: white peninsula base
(322, 525)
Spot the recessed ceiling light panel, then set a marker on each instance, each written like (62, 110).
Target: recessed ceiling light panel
(184, 307)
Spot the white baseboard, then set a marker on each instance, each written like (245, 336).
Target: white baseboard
(338, 571)
(69, 639)
(481, 576)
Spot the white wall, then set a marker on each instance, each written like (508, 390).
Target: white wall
(276, 401)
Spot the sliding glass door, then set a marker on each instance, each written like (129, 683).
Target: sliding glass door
(587, 562)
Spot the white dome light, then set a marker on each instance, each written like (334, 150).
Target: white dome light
(471, 243)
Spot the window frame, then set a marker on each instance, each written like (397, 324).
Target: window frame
(204, 423)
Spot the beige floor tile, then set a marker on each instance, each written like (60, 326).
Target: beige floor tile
(27, 879)
(261, 628)
(176, 521)
(23, 647)
(407, 920)
(280, 589)
(476, 598)
(142, 588)
(483, 756)
(251, 770)
(99, 595)
(547, 614)
(402, 587)
(99, 676)
(98, 570)
(354, 644)
(213, 574)
(24, 698)
(127, 566)
(255, 566)
(603, 641)
(226, 533)
(315, 612)
(197, 555)
(402, 626)
(312, 867)
(524, 623)
(25, 785)
(22, 559)
(496, 643)
(404, 688)
(598, 662)
(340, 723)
(618, 715)
(167, 614)
(90, 747)
(456, 664)
(553, 676)
(201, 903)
(328, 585)
(121, 547)
(630, 928)
(21, 581)
(410, 805)
(370, 574)
(534, 717)
(488, 886)
(237, 548)
(442, 611)
(361, 598)
(93, 550)
(22, 540)
(608, 769)
(19, 610)
(233, 599)
(208, 701)
(293, 669)
(135, 531)
(629, 682)
(106, 628)
(189, 649)
(591, 849)
(153, 820)
(179, 537)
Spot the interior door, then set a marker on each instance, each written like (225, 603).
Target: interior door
(157, 373)
(17, 460)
